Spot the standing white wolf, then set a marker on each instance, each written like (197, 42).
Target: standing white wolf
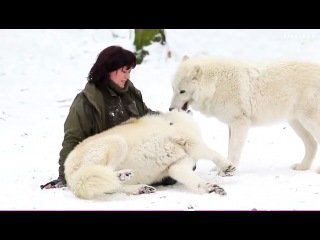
(244, 94)
(131, 156)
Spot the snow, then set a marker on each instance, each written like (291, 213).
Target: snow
(43, 70)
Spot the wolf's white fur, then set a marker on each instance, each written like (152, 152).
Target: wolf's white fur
(129, 157)
(243, 94)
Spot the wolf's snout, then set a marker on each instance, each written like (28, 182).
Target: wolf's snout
(171, 108)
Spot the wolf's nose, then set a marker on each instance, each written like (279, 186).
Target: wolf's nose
(171, 108)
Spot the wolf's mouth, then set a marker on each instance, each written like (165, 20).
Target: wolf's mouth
(185, 106)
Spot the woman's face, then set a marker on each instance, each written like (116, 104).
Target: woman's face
(120, 76)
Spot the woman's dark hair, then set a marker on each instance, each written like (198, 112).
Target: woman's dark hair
(110, 59)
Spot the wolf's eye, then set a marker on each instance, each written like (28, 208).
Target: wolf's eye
(182, 91)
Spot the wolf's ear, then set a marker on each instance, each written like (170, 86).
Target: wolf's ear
(185, 57)
(196, 73)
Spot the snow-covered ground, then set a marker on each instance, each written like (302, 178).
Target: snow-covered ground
(43, 70)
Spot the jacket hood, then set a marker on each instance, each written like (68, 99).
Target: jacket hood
(95, 97)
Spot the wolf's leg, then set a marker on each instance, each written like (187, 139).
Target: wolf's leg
(310, 145)
(137, 189)
(225, 166)
(182, 172)
(117, 150)
(238, 131)
(111, 150)
(310, 121)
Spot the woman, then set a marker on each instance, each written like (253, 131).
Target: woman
(108, 99)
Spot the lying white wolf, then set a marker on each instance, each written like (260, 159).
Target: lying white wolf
(246, 94)
(131, 156)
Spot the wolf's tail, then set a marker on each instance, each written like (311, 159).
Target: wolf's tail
(92, 180)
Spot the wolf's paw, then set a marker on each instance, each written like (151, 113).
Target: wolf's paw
(146, 189)
(209, 188)
(299, 167)
(227, 172)
(124, 174)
